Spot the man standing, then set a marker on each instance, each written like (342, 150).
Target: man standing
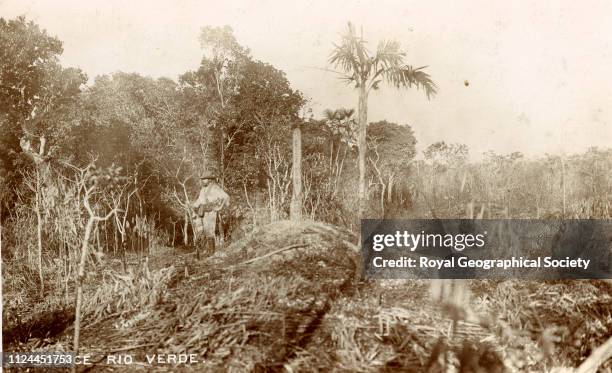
(210, 201)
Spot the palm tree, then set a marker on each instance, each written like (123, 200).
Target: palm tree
(367, 71)
(340, 123)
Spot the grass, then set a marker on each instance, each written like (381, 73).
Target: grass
(304, 309)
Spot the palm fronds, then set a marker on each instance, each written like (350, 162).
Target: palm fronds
(361, 68)
(338, 114)
(352, 57)
(406, 76)
(329, 114)
(388, 55)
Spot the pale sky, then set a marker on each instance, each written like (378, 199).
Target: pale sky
(540, 72)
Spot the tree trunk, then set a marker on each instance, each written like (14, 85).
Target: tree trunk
(361, 143)
(98, 244)
(222, 160)
(186, 231)
(106, 236)
(173, 232)
(124, 252)
(80, 277)
(296, 199)
(196, 241)
(39, 229)
(222, 128)
(116, 238)
(382, 200)
(390, 190)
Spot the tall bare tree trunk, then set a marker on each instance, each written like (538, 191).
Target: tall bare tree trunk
(39, 161)
(80, 277)
(39, 229)
(361, 143)
(296, 199)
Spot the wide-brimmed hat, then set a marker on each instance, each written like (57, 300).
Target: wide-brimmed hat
(208, 175)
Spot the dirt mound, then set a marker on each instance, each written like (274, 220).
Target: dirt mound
(253, 306)
(284, 239)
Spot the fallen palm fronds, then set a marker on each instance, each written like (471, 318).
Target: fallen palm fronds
(136, 290)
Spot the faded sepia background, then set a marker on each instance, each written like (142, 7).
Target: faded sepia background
(540, 73)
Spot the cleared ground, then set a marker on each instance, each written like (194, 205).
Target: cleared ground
(290, 297)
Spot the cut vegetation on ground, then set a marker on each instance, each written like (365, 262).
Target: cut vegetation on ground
(289, 296)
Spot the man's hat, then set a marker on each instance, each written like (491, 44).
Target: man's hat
(208, 175)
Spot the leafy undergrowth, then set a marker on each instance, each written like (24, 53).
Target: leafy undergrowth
(26, 313)
(289, 298)
(37, 318)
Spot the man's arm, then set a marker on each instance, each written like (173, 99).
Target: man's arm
(224, 200)
(200, 200)
(197, 206)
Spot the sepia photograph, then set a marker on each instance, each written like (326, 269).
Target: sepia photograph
(306, 186)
